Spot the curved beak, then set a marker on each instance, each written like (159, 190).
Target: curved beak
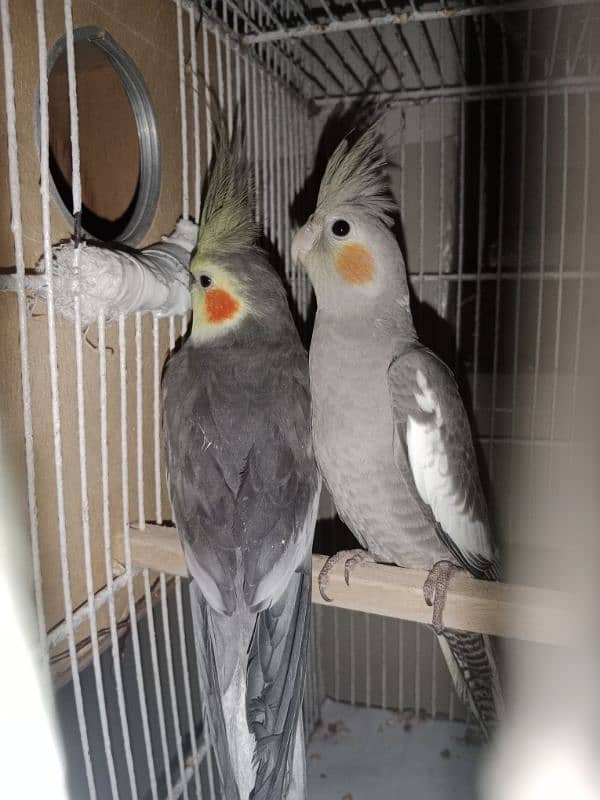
(304, 240)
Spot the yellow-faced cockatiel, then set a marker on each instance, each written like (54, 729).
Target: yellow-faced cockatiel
(244, 489)
(391, 436)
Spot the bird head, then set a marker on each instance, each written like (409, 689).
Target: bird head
(231, 280)
(346, 246)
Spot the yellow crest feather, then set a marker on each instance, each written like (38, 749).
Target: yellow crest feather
(227, 224)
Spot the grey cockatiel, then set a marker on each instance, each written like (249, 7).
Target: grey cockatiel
(390, 432)
(244, 489)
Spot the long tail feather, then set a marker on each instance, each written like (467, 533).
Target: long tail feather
(212, 696)
(252, 668)
(276, 673)
(474, 672)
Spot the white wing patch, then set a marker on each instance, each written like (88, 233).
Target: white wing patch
(436, 486)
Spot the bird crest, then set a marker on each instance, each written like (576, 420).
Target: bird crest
(355, 177)
(227, 224)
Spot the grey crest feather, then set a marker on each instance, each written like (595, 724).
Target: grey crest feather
(355, 177)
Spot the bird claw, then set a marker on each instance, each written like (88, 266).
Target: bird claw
(358, 558)
(323, 580)
(352, 558)
(429, 586)
(435, 589)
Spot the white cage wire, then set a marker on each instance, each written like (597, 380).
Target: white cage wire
(492, 108)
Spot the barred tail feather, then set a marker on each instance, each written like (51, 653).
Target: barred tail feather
(474, 672)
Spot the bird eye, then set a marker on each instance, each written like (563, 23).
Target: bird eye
(340, 228)
(205, 281)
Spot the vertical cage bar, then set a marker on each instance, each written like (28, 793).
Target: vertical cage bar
(318, 651)
(229, 82)
(108, 568)
(87, 556)
(156, 418)
(287, 192)
(367, 619)
(195, 113)
(582, 263)
(171, 679)
(185, 191)
(128, 560)
(336, 653)
(561, 267)
(500, 256)
(139, 421)
(417, 670)
(303, 158)
(238, 77)
(461, 213)
(421, 199)
(434, 675)
(520, 240)
(294, 134)
(384, 701)
(196, 760)
(264, 155)
(220, 77)
(146, 575)
(182, 640)
(52, 355)
(352, 644)
(17, 230)
(401, 697)
(481, 222)
(542, 268)
(280, 200)
(257, 172)
(442, 285)
(182, 786)
(207, 92)
(269, 162)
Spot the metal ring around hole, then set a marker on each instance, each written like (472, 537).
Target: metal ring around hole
(141, 105)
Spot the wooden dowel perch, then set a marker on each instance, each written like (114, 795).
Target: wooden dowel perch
(500, 609)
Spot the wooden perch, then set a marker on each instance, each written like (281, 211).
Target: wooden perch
(500, 609)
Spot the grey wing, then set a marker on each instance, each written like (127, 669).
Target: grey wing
(279, 496)
(435, 454)
(202, 485)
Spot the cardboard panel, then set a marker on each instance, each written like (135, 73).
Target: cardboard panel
(148, 33)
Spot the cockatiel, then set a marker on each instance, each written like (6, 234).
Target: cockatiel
(391, 436)
(244, 488)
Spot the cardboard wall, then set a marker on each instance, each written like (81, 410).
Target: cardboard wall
(147, 32)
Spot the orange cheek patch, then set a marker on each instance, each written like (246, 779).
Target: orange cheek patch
(355, 264)
(220, 305)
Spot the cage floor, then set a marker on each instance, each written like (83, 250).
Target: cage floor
(371, 754)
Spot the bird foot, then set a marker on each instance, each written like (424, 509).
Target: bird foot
(435, 589)
(352, 558)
